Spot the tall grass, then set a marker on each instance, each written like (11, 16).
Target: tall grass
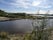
(40, 30)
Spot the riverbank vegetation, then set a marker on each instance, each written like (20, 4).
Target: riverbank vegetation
(34, 35)
(14, 15)
(10, 15)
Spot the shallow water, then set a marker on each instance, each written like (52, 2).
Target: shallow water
(23, 25)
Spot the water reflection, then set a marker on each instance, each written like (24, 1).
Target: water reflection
(24, 25)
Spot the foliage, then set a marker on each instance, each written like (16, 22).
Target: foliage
(11, 15)
(3, 35)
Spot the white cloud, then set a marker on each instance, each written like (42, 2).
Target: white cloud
(45, 6)
(36, 3)
(42, 12)
(27, 4)
(21, 3)
(51, 11)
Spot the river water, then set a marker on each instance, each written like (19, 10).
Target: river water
(23, 25)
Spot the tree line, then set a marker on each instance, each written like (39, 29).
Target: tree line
(11, 15)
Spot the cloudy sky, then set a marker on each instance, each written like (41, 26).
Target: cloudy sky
(26, 5)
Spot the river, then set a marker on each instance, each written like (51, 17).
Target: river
(23, 25)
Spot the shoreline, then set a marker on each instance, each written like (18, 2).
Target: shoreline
(3, 19)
